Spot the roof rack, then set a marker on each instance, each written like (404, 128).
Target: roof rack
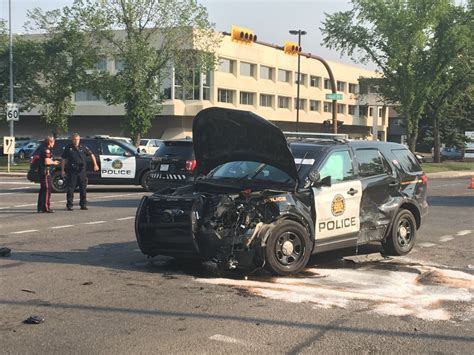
(317, 135)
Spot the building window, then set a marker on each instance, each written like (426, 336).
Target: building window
(352, 88)
(247, 69)
(246, 98)
(314, 105)
(371, 111)
(206, 86)
(352, 109)
(86, 95)
(301, 105)
(315, 81)
(283, 102)
(266, 72)
(101, 65)
(226, 65)
(327, 84)
(341, 86)
(224, 95)
(327, 106)
(341, 108)
(303, 79)
(266, 100)
(119, 64)
(363, 110)
(380, 111)
(284, 75)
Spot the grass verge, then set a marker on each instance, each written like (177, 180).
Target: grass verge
(20, 165)
(447, 166)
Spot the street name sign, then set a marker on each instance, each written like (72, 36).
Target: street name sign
(333, 96)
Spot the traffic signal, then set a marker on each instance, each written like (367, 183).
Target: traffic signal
(243, 35)
(292, 48)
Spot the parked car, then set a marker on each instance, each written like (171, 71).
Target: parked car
(149, 146)
(451, 153)
(25, 151)
(119, 163)
(173, 165)
(262, 201)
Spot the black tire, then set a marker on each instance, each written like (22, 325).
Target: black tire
(402, 235)
(288, 248)
(21, 155)
(145, 181)
(58, 182)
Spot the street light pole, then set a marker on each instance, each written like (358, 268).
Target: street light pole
(299, 33)
(11, 66)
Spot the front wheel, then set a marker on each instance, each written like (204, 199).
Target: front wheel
(58, 182)
(402, 235)
(288, 248)
(21, 155)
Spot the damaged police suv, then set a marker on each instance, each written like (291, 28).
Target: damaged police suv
(262, 200)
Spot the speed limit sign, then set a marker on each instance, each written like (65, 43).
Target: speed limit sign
(13, 112)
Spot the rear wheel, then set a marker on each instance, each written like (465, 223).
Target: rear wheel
(288, 248)
(21, 155)
(402, 236)
(145, 181)
(58, 182)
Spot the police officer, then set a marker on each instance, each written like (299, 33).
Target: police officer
(74, 167)
(44, 170)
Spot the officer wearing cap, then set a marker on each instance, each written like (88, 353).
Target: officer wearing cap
(44, 170)
(74, 168)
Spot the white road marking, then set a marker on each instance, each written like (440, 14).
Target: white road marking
(65, 226)
(226, 339)
(17, 183)
(27, 231)
(446, 238)
(444, 185)
(95, 222)
(426, 245)
(28, 205)
(124, 218)
(21, 188)
(464, 232)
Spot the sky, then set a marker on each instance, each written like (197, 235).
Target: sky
(269, 19)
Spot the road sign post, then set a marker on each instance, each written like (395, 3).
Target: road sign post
(8, 148)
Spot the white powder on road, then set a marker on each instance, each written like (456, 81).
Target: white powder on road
(397, 287)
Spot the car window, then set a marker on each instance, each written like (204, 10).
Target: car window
(92, 144)
(176, 149)
(250, 170)
(143, 141)
(371, 162)
(406, 160)
(111, 148)
(338, 166)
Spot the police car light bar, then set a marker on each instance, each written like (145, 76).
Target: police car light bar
(316, 135)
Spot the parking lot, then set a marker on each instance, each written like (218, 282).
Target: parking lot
(82, 271)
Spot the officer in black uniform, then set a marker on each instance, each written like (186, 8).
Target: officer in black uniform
(74, 167)
(44, 170)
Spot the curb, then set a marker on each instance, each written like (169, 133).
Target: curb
(447, 174)
(14, 174)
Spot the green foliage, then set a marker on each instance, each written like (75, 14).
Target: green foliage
(405, 39)
(148, 37)
(63, 57)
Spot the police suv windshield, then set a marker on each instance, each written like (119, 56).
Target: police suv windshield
(250, 171)
(306, 155)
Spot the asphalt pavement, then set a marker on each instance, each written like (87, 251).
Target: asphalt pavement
(83, 273)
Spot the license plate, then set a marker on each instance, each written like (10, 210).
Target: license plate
(164, 167)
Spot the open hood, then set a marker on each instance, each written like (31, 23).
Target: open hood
(223, 135)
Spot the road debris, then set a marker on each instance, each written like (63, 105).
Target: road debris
(5, 252)
(34, 320)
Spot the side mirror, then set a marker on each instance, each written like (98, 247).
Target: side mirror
(419, 157)
(314, 176)
(314, 179)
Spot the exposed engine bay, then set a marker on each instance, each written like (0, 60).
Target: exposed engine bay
(228, 228)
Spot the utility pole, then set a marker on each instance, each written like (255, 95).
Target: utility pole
(299, 33)
(11, 68)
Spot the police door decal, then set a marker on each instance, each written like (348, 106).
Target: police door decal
(337, 209)
(113, 166)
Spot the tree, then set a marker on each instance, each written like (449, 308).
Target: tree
(395, 35)
(65, 55)
(149, 38)
(453, 47)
